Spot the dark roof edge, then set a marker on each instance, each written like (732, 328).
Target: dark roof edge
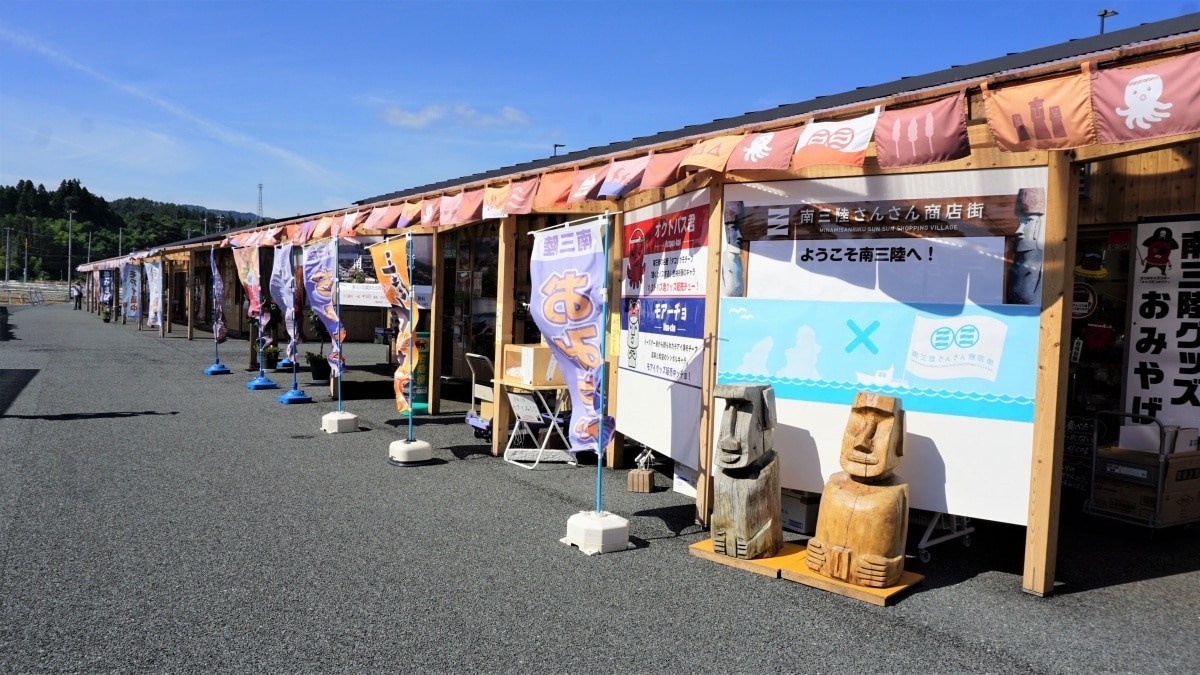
(1071, 49)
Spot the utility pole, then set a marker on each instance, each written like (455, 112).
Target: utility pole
(205, 221)
(1104, 14)
(220, 217)
(70, 234)
(7, 259)
(25, 276)
(89, 247)
(120, 240)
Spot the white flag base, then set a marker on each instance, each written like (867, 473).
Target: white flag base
(409, 453)
(339, 422)
(597, 532)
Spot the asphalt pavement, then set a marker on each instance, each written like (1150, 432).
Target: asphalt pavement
(155, 519)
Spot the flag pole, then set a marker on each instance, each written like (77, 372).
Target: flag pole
(603, 337)
(410, 451)
(216, 368)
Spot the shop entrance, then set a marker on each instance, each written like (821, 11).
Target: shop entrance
(1098, 350)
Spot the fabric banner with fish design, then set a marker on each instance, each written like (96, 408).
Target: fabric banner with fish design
(320, 283)
(567, 272)
(391, 268)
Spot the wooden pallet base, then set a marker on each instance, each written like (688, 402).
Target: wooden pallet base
(790, 564)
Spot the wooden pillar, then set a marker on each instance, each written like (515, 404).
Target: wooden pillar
(167, 283)
(435, 326)
(505, 303)
(708, 377)
(615, 456)
(190, 291)
(1045, 480)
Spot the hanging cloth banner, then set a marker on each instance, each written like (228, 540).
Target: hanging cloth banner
(587, 183)
(769, 150)
(711, 154)
(283, 291)
(842, 142)
(1135, 104)
(131, 292)
(662, 169)
(1048, 115)
(472, 206)
(624, 176)
(218, 298)
(247, 267)
(494, 199)
(320, 282)
(448, 209)
(154, 289)
(391, 267)
(431, 211)
(567, 271)
(106, 288)
(520, 196)
(554, 189)
(926, 134)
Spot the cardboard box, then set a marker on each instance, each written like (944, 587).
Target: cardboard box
(800, 510)
(532, 365)
(641, 480)
(1136, 501)
(1132, 466)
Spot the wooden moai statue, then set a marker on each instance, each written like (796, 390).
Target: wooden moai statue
(747, 522)
(862, 524)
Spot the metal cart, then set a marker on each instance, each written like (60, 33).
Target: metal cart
(1135, 481)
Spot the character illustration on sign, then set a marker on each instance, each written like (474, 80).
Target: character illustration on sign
(1141, 95)
(1158, 250)
(637, 258)
(862, 523)
(731, 251)
(634, 322)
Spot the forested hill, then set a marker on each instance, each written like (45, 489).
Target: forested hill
(34, 216)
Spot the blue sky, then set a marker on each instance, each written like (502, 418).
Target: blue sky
(326, 103)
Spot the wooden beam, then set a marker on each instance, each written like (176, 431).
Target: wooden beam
(614, 456)
(708, 373)
(434, 367)
(1096, 153)
(506, 263)
(189, 293)
(1045, 476)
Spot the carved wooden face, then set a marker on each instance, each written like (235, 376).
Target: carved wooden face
(874, 438)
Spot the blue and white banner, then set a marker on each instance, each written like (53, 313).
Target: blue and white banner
(283, 291)
(567, 270)
(154, 288)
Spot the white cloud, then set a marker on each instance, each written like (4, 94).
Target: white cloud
(399, 117)
(755, 361)
(211, 128)
(800, 360)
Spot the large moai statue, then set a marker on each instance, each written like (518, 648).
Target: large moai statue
(747, 522)
(862, 524)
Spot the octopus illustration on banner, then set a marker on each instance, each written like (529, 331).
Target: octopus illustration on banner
(320, 282)
(567, 271)
(391, 267)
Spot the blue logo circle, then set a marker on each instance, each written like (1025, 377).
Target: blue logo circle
(967, 336)
(941, 338)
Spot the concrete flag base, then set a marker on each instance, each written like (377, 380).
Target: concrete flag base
(597, 532)
(339, 422)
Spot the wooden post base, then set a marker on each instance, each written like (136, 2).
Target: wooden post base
(641, 480)
(790, 564)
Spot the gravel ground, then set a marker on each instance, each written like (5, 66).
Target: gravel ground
(156, 519)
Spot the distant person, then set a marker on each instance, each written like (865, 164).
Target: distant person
(77, 294)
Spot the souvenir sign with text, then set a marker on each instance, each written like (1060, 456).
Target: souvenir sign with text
(1164, 362)
(567, 271)
(921, 286)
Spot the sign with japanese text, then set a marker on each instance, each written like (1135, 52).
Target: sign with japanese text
(391, 268)
(154, 287)
(663, 285)
(131, 292)
(567, 271)
(1163, 379)
(926, 287)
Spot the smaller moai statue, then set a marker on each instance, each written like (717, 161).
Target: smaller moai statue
(862, 524)
(747, 522)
